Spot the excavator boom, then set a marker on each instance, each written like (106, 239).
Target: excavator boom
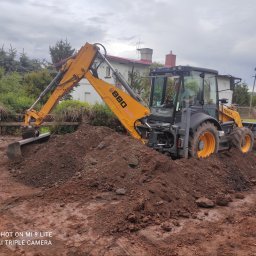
(127, 107)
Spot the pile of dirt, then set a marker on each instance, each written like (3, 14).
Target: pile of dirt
(58, 160)
(137, 185)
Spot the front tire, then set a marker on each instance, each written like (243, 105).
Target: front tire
(204, 141)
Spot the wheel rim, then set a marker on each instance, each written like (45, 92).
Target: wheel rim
(247, 144)
(206, 145)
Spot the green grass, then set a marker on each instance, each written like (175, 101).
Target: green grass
(44, 129)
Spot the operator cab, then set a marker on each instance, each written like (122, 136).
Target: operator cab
(187, 116)
(176, 88)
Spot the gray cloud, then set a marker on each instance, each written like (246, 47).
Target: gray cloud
(216, 34)
(34, 27)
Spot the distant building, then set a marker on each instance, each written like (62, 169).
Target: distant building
(85, 92)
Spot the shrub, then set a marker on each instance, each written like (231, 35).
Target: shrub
(5, 113)
(35, 82)
(10, 83)
(5, 116)
(62, 129)
(101, 115)
(76, 111)
(71, 111)
(13, 96)
(17, 103)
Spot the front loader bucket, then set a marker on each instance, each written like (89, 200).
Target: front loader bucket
(14, 151)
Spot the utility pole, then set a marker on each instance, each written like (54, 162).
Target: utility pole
(252, 91)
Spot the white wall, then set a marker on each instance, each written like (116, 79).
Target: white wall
(85, 92)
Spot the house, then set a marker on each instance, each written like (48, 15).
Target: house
(86, 92)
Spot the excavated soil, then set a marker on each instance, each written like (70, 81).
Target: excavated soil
(104, 193)
(152, 187)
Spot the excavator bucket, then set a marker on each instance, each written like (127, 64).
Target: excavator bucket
(14, 150)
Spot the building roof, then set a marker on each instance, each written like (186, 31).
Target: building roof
(128, 61)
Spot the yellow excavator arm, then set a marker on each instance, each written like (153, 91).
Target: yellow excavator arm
(127, 108)
(230, 114)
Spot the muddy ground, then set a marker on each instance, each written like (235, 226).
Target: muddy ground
(96, 192)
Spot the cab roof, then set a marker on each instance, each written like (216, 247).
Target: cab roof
(178, 70)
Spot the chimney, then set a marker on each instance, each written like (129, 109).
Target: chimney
(146, 54)
(170, 60)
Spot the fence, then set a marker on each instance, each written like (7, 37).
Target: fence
(247, 112)
(15, 122)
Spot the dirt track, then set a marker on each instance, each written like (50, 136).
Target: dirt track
(109, 195)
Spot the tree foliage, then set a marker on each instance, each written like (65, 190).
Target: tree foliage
(22, 79)
(35, 82)
(26, 64)
(7, 59)
(60, 51)
(10, 61)
(13, 96)
(141, 83)
(241, 95)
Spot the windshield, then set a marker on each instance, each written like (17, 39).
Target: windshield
(164, 91)
(191, 91)
(169, 95)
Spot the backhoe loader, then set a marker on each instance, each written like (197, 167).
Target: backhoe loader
(184, 117)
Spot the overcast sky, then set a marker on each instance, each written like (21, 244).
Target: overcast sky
(218, 34)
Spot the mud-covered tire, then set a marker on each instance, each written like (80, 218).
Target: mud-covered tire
(243, 139)
(204, 141)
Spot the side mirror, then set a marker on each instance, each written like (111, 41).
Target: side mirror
(202, 75)
(223, 101)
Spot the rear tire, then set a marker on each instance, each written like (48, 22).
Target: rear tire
(243, 139)
(204, 141)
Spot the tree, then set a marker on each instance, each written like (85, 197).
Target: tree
(35, 82)
(141, 84)
(7, 59)
(26, 64)
(61, 51)
(135, 81)
(241, 95)
(10, 63)
(24, 60)
(2, 57)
